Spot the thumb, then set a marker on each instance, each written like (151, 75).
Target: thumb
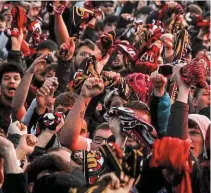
(129, 184)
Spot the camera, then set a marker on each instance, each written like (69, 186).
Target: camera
(49, 59)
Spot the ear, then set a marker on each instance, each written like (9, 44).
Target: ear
(30, 187)
(195, 102)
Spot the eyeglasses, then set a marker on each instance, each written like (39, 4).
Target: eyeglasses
(99, 140)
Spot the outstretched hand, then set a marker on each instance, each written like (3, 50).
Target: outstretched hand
(38, 63)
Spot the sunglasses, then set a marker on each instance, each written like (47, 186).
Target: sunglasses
(99, 140)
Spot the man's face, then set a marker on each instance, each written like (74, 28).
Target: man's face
(63, 109)
(8, 16)
(2, 26)
(195, 135)
(110, 27)
(108, 8)
(118, 63)
(202, 100)
(83, 53)
(9, 83)
(100, 138)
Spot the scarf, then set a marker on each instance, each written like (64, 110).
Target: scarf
(132, 125)
(174, 154)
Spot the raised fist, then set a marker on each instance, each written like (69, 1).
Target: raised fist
(17, 128)
(27, 143)
(92, 87)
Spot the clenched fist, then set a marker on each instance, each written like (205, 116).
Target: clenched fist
(159, 83)
(92, 87)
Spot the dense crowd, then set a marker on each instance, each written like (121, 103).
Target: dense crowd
(105, 96)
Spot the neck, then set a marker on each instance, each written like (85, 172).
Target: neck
(6, 101)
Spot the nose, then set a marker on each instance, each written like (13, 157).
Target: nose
(12, 80)
(104, 142)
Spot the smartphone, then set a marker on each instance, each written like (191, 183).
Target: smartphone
(166, 70)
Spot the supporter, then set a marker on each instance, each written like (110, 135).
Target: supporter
(101, 135)
(3, 38)
(108, 7)
(201, 101)
(110, 23)
(11, 75)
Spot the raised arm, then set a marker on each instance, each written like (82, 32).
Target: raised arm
(60, 28)
(178, 119)
(160, 103)
(45, 94)
(70, 134)
(23, 88)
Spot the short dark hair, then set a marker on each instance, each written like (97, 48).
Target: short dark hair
(193, 124)
(99, 26)
(111, 19)
(143, 10)
(47, 44)
(139, 106)
(103, 126)
(85, 42)
(10, 67)
(65, 99)
(50, 163)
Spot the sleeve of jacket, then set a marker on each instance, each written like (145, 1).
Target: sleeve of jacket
(14, 55)
(178, 121)
(63, 73)
(17, 57)
(14, 138)
(15, 183)
(160, 111)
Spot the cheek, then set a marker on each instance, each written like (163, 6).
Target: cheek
(197, 141)
(203, 100)
(3, 84)
(78, 59)
(17, 82)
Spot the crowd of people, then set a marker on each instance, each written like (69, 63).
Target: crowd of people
(105, 96)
